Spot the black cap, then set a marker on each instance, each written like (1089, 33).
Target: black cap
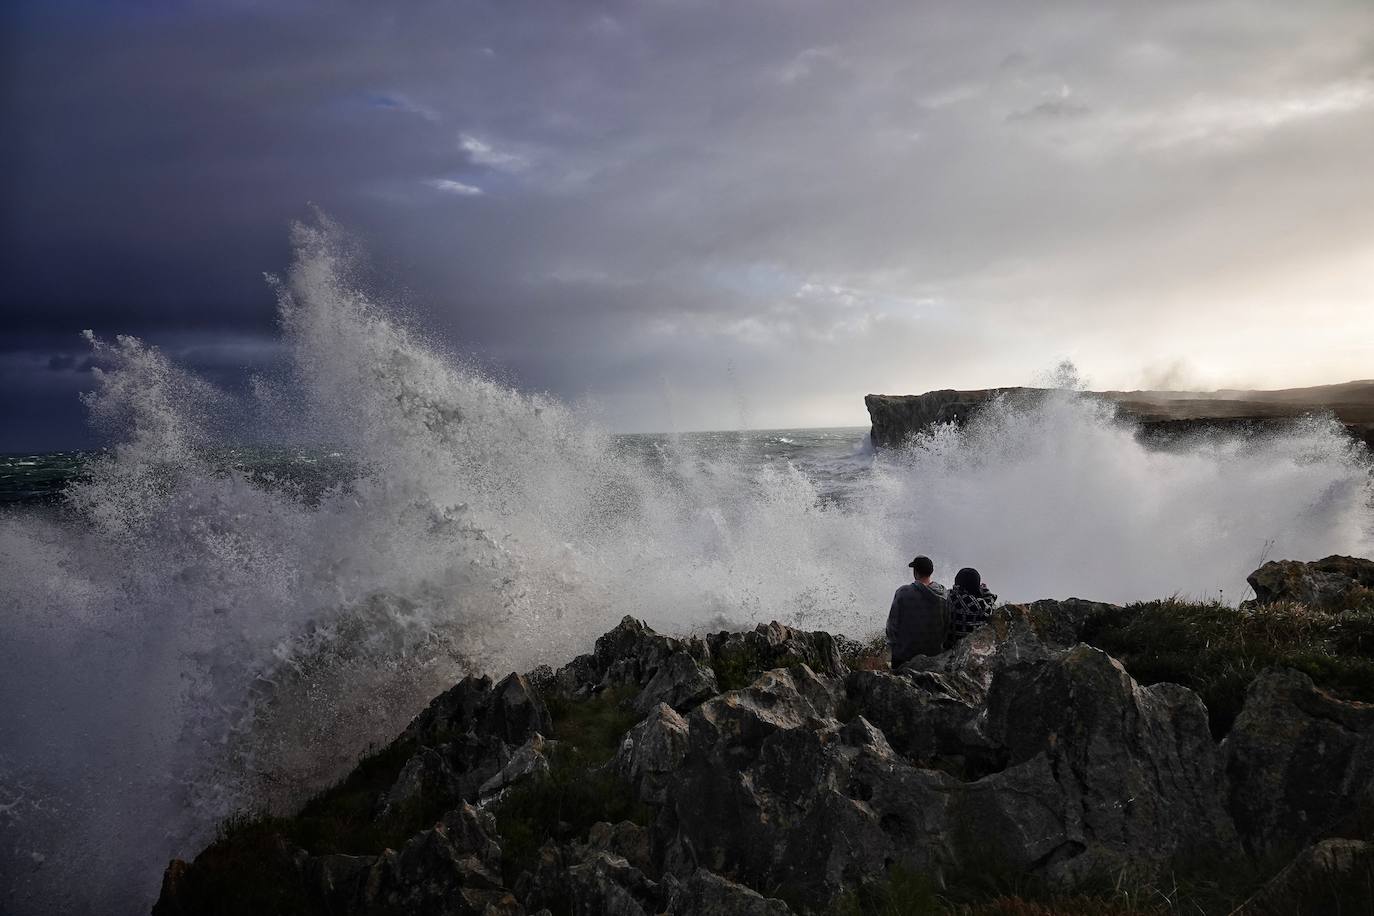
(922, 565)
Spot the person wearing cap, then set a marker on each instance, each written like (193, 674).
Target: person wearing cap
(918, 621)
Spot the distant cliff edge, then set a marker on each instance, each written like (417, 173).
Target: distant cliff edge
(1160, 414)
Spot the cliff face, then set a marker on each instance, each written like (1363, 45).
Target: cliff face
(1161, 415)
(777, 772)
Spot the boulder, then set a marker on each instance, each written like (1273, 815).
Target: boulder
(775, 792)
(633, 655)
(528, 761)
(1137, 781)
(681, 682)
(467, 737)
(427, 774)
(651, 752)
(707, 894)
(1301, 766)
(512, 711)
(1333, 876)
(1335, 582)
(738, 658)
(583, 880)
(929, 717)
(451, 870)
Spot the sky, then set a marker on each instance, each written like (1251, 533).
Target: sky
(700, 214)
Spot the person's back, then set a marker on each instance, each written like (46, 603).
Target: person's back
(918, 621)
(970, 604)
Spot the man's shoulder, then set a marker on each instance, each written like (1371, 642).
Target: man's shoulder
(939, 589)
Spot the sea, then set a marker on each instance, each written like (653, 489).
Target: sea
(238, 594)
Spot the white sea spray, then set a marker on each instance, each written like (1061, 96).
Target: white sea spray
(183, 642)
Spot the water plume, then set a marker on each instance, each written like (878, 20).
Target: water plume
(184, 640)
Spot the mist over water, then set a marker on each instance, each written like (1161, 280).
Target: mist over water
(182, 641)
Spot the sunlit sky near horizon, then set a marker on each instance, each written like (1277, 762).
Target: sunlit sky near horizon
(701, 215)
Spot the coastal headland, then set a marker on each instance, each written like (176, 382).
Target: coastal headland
(1159, 415)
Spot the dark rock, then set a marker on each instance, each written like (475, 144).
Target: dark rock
(466, 738)
(626, 839)
(928, 717)
(707, 894)
(1334, 876)
(584, 880)
(511, 711)
(773, 763)
(1301, 765)
(898, 417)
(651, 752)
(633, 655)
(739, 657)
(1336, 582)
(427, 774)
(681, 682)
(1161, 418)
(1140, 780)
(528, 761)
(451, 870)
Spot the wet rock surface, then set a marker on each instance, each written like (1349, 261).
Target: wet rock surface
(1334, 582)
(757, 767)
(1301, 766)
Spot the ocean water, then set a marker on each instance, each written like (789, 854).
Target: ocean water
(237, 596)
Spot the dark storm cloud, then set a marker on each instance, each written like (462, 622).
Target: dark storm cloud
(625, 200)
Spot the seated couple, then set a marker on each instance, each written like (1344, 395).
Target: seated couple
(925, 619)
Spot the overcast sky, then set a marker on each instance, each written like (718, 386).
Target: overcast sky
(695, 214)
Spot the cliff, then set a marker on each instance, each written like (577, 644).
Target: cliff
(1064, 758)
(1159, 414)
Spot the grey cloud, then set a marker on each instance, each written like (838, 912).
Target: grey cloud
(668, 187)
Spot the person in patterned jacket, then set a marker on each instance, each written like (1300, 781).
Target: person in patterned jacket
(970, 605)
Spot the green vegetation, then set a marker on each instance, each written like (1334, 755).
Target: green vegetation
(594, 726)
(1218, 650)
(736, 668)
(577, 792)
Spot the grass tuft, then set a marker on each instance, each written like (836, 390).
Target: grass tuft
(1218, 651)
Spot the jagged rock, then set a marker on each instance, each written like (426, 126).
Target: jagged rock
(452, 870)
(1301, 765)
(585, 881)
(632, 654)
(928, 717)
(651, 752)
(1333, 876)
(511, 711)
(426, 774)
(738, 657)
(1016, 635)
(1335, 582)
(626, 839)
(680, 681)
(773, 763)
(1140, 780)
(466, 738)
(706, 893)
(529, 760)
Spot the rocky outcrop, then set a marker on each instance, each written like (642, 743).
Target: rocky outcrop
(1301, 766)
(754, 766)
(1335, 583)
(1161, 416)
(1333, 876)
(897, 417)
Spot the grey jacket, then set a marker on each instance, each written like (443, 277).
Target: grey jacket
(918, 621)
